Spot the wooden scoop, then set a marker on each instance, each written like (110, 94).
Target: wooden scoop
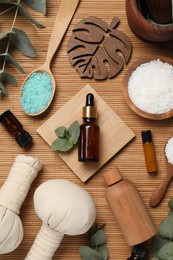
(158, 194)
(65, 13)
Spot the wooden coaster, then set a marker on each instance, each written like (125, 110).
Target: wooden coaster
(114, 133)
(97, 49)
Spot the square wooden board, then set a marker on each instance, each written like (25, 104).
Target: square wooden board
(114, 133)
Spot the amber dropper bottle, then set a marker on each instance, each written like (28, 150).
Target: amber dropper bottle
(149, 152)
(88, 144)
(15, 128)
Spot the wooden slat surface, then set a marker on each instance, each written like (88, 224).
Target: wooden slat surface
(130, 161)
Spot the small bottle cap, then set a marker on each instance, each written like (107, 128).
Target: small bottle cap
(24, 139)
(146, 136)
(112, 176)
(140, 252)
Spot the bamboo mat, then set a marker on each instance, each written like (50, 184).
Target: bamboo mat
(130, 161)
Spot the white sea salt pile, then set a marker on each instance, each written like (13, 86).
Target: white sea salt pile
(150, 87)
(169, 150)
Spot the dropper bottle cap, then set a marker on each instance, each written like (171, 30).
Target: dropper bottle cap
(89, 111)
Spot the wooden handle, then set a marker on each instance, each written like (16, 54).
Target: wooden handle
(65, 13)
(158, 194)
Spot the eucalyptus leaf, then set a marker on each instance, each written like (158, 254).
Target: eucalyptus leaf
(12, 61)
(39, 6)
(170, 203)
(98, 239)
(97, 242)
(170, 258)
(74, 132)
(103, 251)
(60, 131)
(3, 35)
(94, 229)
(166, 227)
(22, 43)
(158, 242)
(88, 253)
(62, 144)
(29, 17)
(8, 78)
(66, 138)
(166, 251)
(154, 258)
(3, 89)
(170, 213)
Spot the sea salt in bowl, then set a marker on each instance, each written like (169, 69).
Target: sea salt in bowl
(148, 87)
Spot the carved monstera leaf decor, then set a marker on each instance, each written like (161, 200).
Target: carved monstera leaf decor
(98, 50)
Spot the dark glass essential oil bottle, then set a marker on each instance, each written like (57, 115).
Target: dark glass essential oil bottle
(15, 128)
(88, 144)
(139, 253)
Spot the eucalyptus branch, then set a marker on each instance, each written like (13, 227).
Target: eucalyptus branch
(18, 38)
(97, 248)
(66, 138)
(9, 40)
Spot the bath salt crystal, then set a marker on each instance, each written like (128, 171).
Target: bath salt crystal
(150, 87)
(36, 92)
(169, 150)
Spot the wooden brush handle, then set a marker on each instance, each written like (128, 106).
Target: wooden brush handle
(65, 13)
(158, 194)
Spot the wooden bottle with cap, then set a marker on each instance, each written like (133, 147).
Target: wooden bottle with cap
(128, 209)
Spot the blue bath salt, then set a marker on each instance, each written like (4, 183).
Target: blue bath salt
(36, 92)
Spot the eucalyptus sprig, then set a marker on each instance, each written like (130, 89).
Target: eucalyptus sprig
(17, 37)
(97, 248)
(67, 138)
(163, 241)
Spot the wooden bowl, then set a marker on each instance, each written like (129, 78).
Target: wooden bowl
(126, 94)
(145, 29)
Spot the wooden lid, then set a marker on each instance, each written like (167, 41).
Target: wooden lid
(112, 176)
